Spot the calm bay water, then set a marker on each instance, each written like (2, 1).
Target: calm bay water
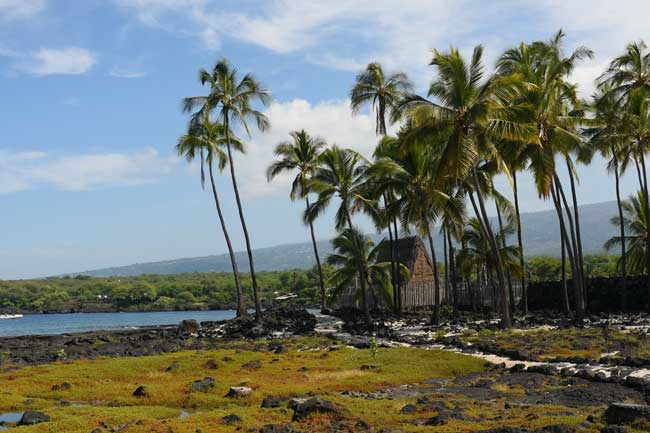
(32, 324)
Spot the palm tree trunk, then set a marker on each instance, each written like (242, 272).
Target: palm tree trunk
(565, 292)
(436, 281)
(452, 272)
(398, 274)
(622, 228)
(241, 307)
(565, 237)
(647, 219)
(393, 268)
(578, 280)
(446, 264)
(323, 302)
(506, 321)
(508, 276)
(364, 300)
(578, 236)
(524, 289)
(249, 250)
(362, 275)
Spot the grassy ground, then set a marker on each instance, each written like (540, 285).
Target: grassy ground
(591, 343)
(100, 395)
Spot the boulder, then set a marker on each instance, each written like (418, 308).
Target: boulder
(188, 327)
(203, 385)
(231, 419)
(270, 402)
(31, 417)
(315, 405)
(239, 391)
(211, 364)
(622, 413)
(409, 408)
(141, 391)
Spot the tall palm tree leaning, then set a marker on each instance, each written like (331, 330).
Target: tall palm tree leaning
(232, 99)
(205, 140)
(302, 153)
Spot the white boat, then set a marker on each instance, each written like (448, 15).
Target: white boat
(10, 316)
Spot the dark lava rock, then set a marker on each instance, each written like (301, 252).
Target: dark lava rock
(187, 327)
(203, 385)
(409, 408)
(558, 428)
(282, 319)
(231, 419)
(621, 413)
(31, 417)
(276, 428)
(366, 367)
(270, 402)
(252, 365)
(140, 391)
(172, 367)
(613, 429)
(211, 364)
(61, 387)
(440, 419)
(315, 405)
(583, 393)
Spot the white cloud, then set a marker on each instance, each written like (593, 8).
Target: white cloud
(64, 61)
(346, 34)
(27, 170)
(329, 120)
(14, 9)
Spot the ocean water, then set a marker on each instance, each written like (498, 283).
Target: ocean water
(32, 324)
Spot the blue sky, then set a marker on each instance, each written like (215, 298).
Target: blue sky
(91, 94)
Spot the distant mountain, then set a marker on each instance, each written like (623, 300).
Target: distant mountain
(540, 235)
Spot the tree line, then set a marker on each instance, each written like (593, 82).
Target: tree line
(436, 171)
(152, 292)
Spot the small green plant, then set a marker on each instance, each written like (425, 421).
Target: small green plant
(60, 354)
(373, 346)
(446, 310)
(485, 332)
(440, 333)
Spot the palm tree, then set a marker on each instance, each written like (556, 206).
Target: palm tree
(628, 72)
(355, 258)
(232, 98)
(476, 252)
(341, 173)
(628, 78)
(634, 220)
(605, 134)
(206, 140)
(384, 92)
(552, 110)
(418, 203)
(468, 112)
(302, 153)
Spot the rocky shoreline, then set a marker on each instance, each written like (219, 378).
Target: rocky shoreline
(152, 340)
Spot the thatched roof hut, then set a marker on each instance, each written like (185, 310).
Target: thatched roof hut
(411, 252)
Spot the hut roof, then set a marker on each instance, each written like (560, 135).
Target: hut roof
(406, 251)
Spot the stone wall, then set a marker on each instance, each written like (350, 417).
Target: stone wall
(603, 294)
